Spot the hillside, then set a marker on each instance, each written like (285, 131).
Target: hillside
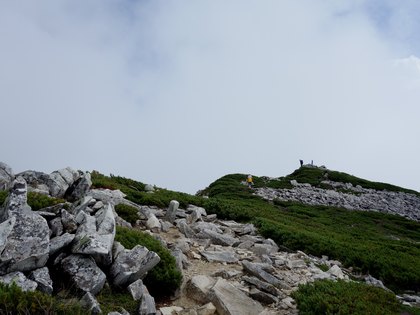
(196, 251)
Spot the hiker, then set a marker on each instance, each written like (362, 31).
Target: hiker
(301, 163)
(249, 181)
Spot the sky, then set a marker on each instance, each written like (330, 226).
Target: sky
(180, 93)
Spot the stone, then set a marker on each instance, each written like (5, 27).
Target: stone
(220, 256)
(20, 280)
(153, 224)
(170, 310)
(263, 297)
(336, 271)
(216, 238)
(229, 300)
(227, 274)
(6, 228)
(198, 288)
(258, 271)
(147, 304)
(68, 221)
(262, 285)
(114, 197)
(149, 188)
(79, 188)
(131, 265)
(27, 245)
(375, 282)
(171, 212)
(201, 210)
(59, 181)
(207, 309)
(60, 242)
(6, 176)
(89, 302)
(95, 236)
(263, 249)
(185, 229)
(194, 216)
(136, 289)
(56, 227)
(297, 263)
(84, 273)
(42, 277)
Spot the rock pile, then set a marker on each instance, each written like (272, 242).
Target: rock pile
(345, 195)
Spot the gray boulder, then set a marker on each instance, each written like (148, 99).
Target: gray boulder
(68, 221)
(6, 176)
(59, 242)
(89, 302)
(59, 181)
(198, 288)
(136, 290)
(259, 271)
(20, 280)
(131, 265)
(27, 245)
(171, 212)
(42, 277)
(147, 304)
(84, 273)
(79, 188)
(229, 300)
(217, 238)
(219, 256)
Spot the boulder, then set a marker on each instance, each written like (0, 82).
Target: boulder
(79, 188)
(171, 212)
(336, 271)
(263, 297)
(170, 310)
(59, 181)
(147, 304)
(42, 277)
(258, 270)
(198, 288)
(59, 242)
(68, 221)
(207, 309)
(185, 229)
(6, 176)
(27, 245)
(56, 227)
(220, 256)
(131, 265)
(136, 289)
(229, 300)
(20, 280)
(153, 223)
(216, 238)
(262, 285)
(84, 273)
(89, 302)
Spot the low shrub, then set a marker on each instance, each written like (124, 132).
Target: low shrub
(346, 298)
(39, 201)
(112, 300)
(128, 213)
(165, 277)
(3, 196)
(14, 301)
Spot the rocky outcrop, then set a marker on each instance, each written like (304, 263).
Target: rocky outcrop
(345, 195)
(6, 176)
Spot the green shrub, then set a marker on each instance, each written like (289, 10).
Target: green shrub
(3, 196)
(39, 201)
(112, 299)
(128, 213)
(164, 278)
(14, 301)
(345, 298)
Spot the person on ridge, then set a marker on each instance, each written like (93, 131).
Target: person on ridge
(249, 181)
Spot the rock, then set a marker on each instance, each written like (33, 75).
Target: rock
(229, 300)
(170, 310)
(153, 224)
(27, 244)
(20, 280)
(6, 228)
(56, 227)
(6, 176)
(295, 263)
(68, 221)
(194, 216)
(216, 238)
(263, 297)
(84, 273)
(227, 274)
(220, 256)
(171, 212)
(149, 188)
(336, 271)
(95, 236)
(262, 285)
(59, 242)
(207, 309)
(147, 304)
(201, 210)
(89, 302)
(131, 265)
(185, 229)
(42, 277)
(263, 249)
(198, 288)
(79, 188)
(59, 181)
(136, 289)
(258, 271)
(375, 282)
(114, 197)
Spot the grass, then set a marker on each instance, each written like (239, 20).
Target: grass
(347, 298)
(128, 213)
(35, 200)
(358, 239)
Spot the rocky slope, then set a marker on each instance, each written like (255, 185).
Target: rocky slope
(345, 195)
(227, 267)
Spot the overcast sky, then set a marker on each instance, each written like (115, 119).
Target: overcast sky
(180, 93)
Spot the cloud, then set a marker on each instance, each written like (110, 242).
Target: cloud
(181, 93)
